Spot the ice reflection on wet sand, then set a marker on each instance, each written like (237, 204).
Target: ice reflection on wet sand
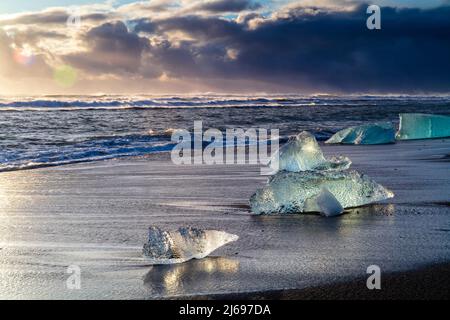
(191, 277)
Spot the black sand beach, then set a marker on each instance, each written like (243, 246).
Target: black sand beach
(429, 283)
(95, 215)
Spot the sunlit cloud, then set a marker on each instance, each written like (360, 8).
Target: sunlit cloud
(220, 44)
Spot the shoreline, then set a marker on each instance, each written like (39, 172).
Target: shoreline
(165, 154)
(424, 283)
(96, 215)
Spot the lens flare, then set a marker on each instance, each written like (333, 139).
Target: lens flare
(65, 76)
(23, 57)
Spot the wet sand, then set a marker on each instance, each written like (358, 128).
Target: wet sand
(95, 215)
(429, 283)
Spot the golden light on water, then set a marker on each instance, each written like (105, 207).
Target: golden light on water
(5, 199)
(175, 277)
(8, 204)
(15, 192)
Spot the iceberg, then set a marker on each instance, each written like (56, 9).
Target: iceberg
(325, 203)
(376, 133)
(169, 247)
(423, 126)
(303, 153)
(291, 192)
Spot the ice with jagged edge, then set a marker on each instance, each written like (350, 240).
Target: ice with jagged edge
(303, 153)
(186, 243)
(373, 133)
(287, 192)
(423, 126)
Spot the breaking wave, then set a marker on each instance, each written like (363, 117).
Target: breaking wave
(57, 130)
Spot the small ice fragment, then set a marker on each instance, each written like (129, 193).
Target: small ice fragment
(374, 133)
(325, 203)
(303, 153)
(423, 126)
(168, 247)
(286, 192)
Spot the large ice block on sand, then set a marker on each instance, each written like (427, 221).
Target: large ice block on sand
(286, 192)
(177, 246)
(302, 153)
(375, 133)
(423, 126)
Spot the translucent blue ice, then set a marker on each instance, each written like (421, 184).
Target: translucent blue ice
(325, 203)
(303, 153)
(423, 126)
(373, 133)
(177, 246)
(289, 192)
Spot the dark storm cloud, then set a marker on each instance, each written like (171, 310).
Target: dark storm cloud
(219, 6)
(203, 28)
(336, 50)
(112, 49)
(325, 50)
(299, 49)
(143, 25)
(202, 57)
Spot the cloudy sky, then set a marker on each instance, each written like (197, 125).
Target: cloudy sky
(245, 46)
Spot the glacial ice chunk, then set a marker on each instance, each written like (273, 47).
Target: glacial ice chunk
(168, 247)
(287, 192)
(325, 203)
(302, 153)
(423, 126)
(374, 133)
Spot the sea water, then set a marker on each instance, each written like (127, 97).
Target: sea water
(57, 130)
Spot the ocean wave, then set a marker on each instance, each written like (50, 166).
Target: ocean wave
(60, 103)
(33, 135)
(130, 102)
(97, 148)
(92, 149)
(57, 103)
